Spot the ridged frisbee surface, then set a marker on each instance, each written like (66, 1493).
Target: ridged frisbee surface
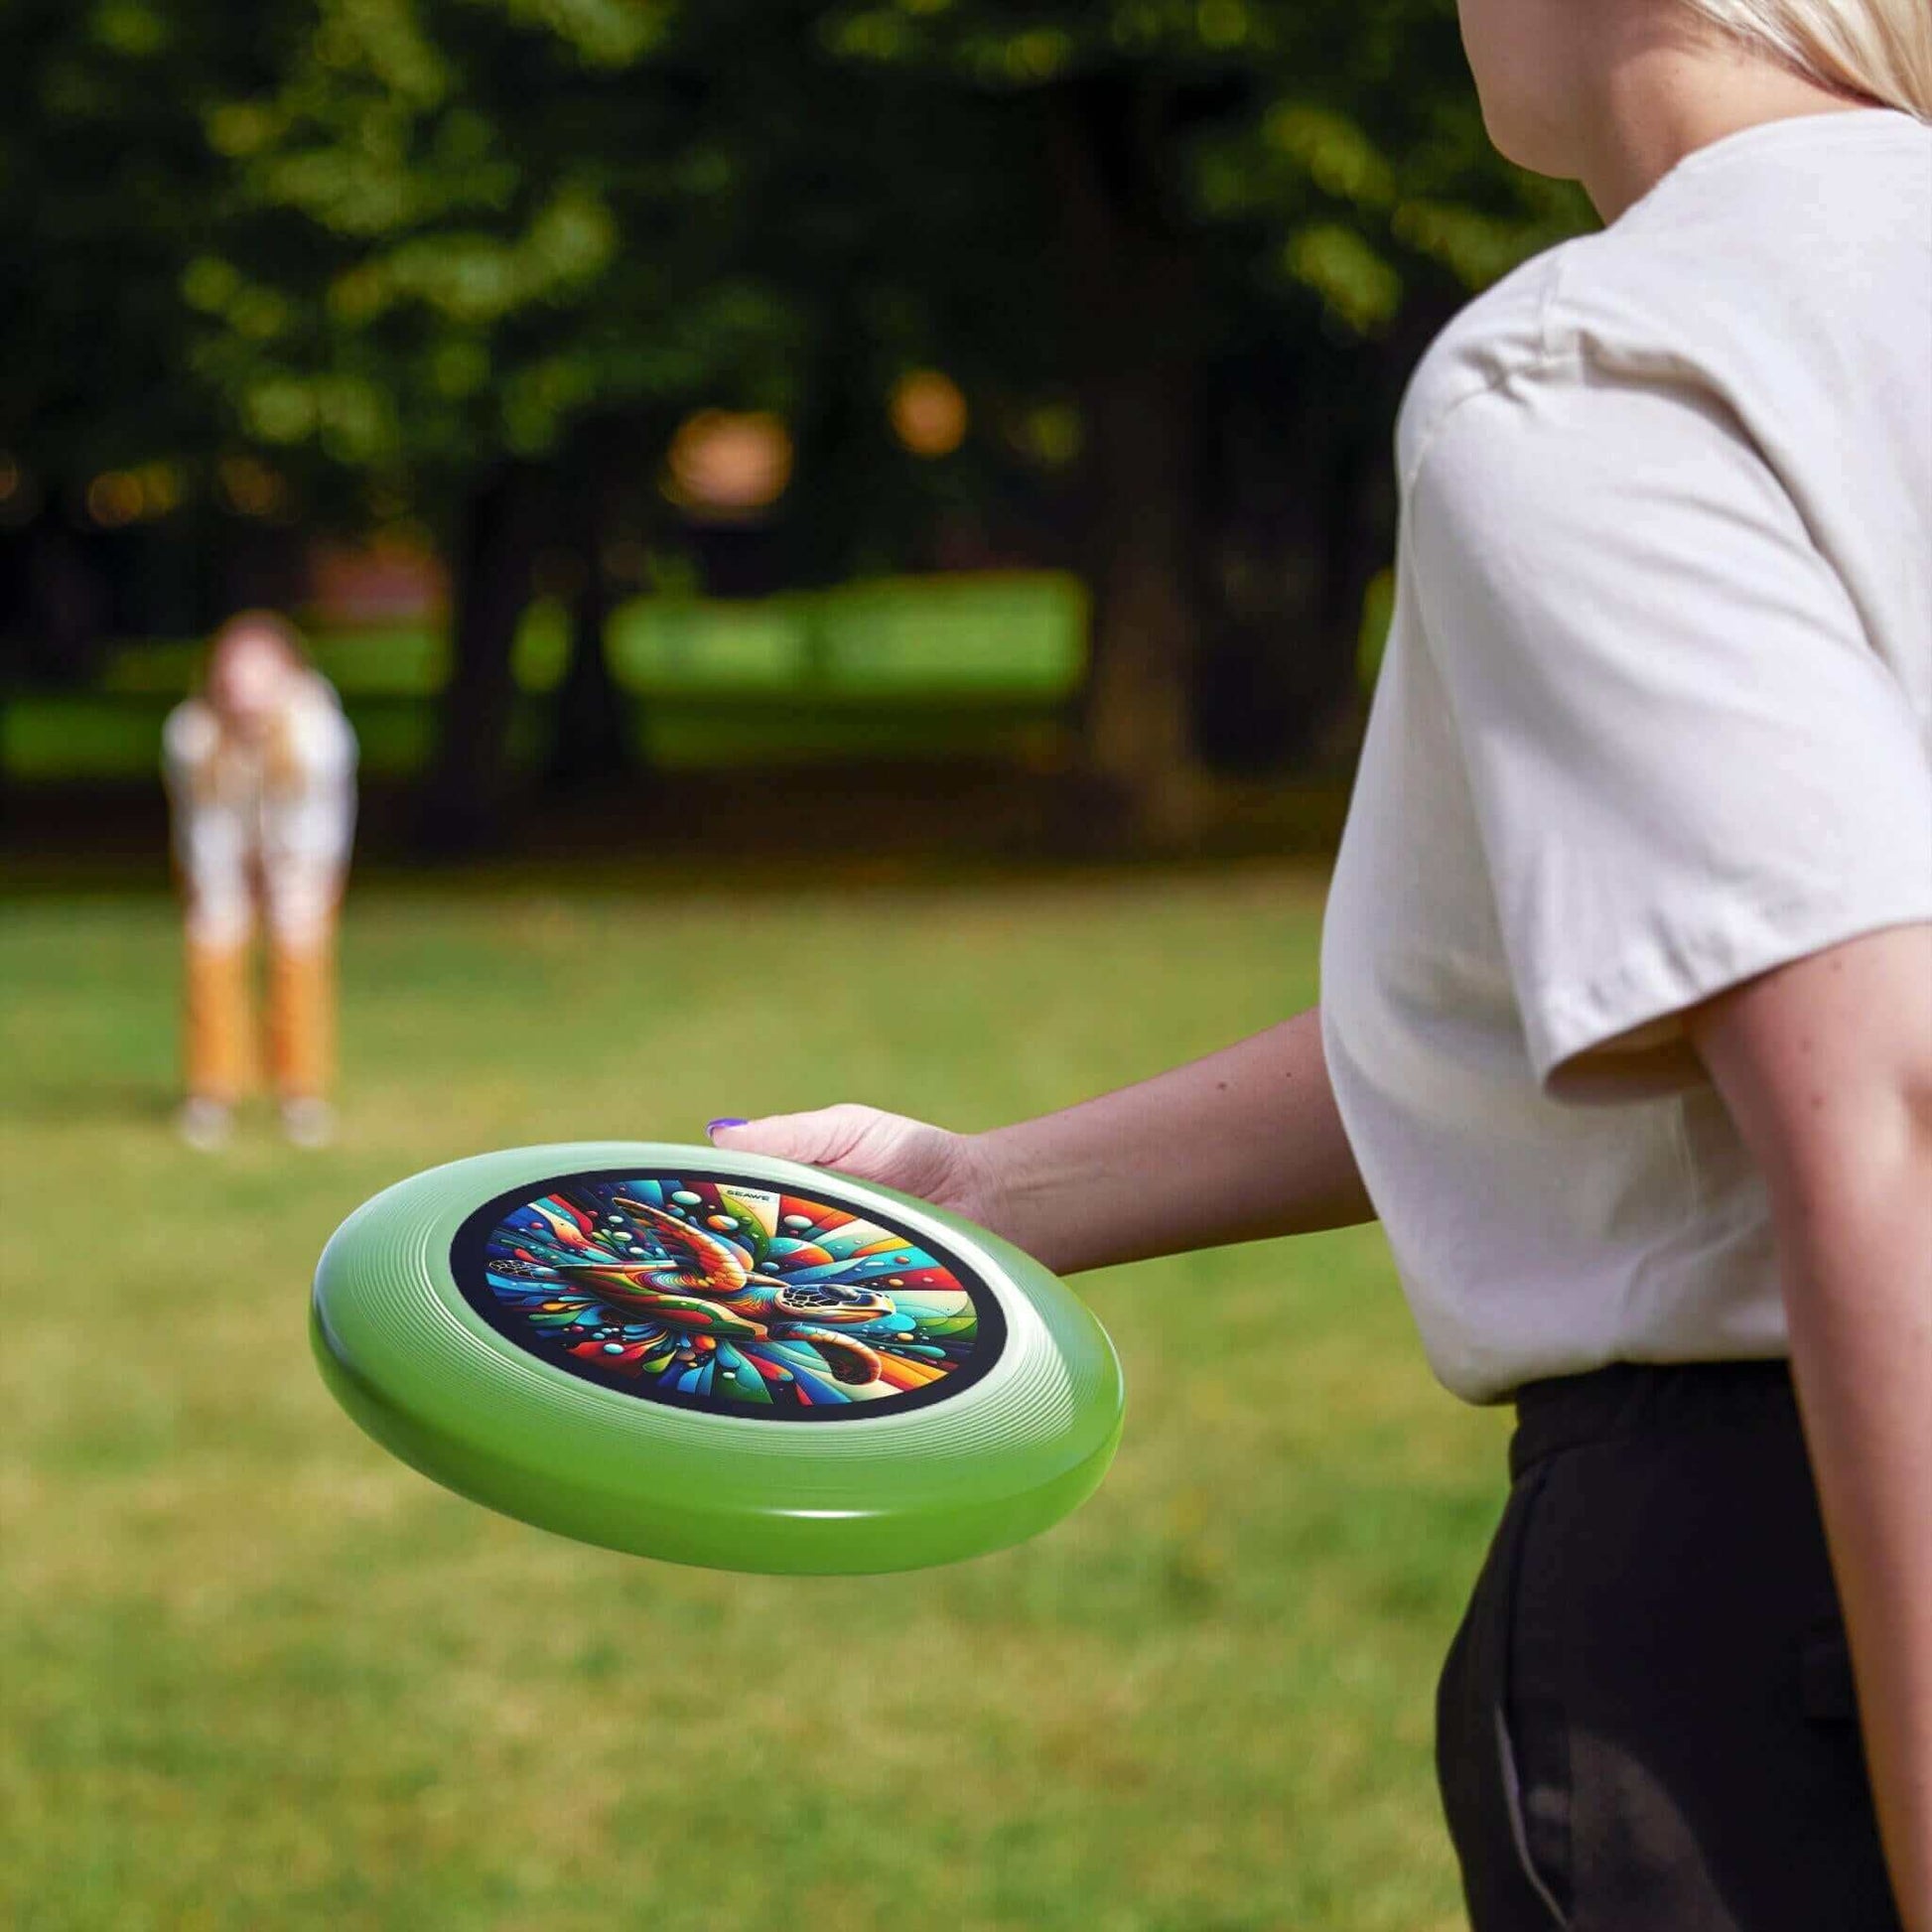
(716, 1358)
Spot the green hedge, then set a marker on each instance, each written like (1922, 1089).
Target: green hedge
(1015, 633)
(905, 667)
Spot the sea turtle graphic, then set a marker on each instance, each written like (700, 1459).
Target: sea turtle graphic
(706, 1288)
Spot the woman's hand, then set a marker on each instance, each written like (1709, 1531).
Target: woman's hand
(949, 1170)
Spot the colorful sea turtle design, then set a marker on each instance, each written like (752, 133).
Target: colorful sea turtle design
(727, 1297)
(716, 1278)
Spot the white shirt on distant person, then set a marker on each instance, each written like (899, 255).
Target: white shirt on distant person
(269, 824)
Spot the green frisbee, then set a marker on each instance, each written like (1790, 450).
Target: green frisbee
(716, 1358)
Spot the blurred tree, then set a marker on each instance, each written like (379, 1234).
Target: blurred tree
(480, 255)
(496, 242)
(1256, 212)
(468, 263)
(105, 186)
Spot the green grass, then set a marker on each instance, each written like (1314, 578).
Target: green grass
(257, 1675)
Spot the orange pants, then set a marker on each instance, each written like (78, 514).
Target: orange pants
(218, 1038)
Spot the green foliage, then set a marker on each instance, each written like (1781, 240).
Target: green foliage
(456, 227)
(105, 184)
(1342, 142)
(400, 238)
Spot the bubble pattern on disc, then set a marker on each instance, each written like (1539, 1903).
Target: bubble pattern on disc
(724, 1294)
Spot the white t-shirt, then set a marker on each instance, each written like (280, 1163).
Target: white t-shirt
(288, 836)
(1655, 717)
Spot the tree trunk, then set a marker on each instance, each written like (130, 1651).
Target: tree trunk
(1344, 551)
(1136, 723)
(591, 739)
(463, 800)
(1297, 516)
(1135, 321)
(66, 598)
(1359, 542)
(1356, 531)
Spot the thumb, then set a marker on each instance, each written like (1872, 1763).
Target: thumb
(817, 1139)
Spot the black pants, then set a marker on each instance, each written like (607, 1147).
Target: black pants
(1646, 1722)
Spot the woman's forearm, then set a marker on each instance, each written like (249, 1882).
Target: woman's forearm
(1237, 1147)
(1859, 1291)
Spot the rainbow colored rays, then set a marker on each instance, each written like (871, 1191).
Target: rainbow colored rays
(712, 1294)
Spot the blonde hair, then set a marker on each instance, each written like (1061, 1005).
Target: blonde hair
(262, 627)
(1878, 50)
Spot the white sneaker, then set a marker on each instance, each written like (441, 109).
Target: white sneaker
(204, 1124)
(307, 1122)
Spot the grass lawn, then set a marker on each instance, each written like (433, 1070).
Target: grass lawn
(253, 1674)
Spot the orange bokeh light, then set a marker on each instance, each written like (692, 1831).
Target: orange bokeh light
(729, 462)
(929, 413)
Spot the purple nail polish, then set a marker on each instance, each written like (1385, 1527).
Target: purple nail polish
(712, 1126)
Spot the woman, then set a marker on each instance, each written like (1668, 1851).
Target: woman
(1627, 1021)
(260, 771)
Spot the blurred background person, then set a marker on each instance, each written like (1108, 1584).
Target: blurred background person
(260, 769)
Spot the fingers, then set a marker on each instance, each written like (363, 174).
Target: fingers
(905, 1153)
(821, 1138)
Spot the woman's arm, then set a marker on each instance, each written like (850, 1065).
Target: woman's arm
(1239, 1146)
(1826, 1067)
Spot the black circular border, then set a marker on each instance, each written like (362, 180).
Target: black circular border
(467, 1266)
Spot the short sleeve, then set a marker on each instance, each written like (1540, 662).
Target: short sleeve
(188, 741)
(1687, 759)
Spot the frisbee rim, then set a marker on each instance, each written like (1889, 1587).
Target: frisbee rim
(1030, 1437)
